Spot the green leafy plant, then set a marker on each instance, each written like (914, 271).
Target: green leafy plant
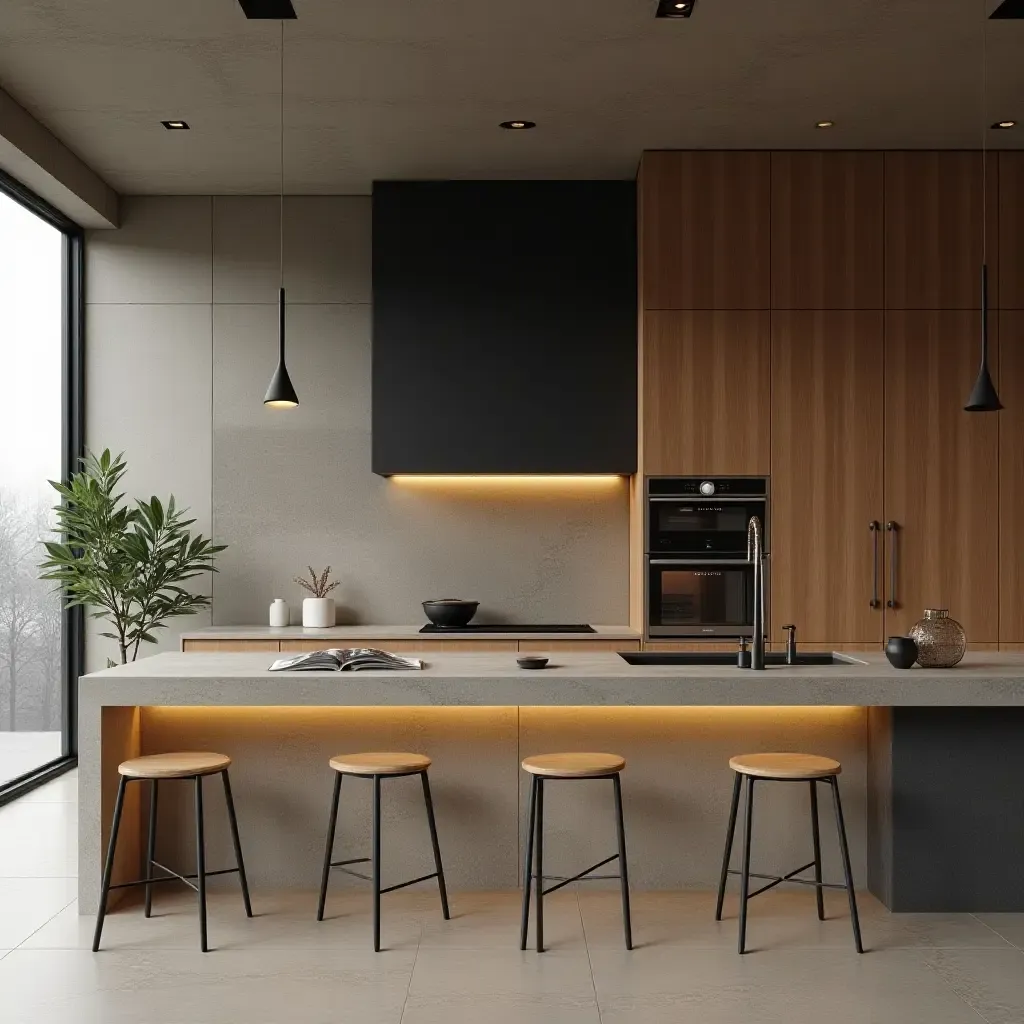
(317, 585)
(127, 562)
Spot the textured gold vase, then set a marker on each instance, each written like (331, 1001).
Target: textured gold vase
(941, 641)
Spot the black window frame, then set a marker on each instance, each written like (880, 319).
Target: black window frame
(72, 449)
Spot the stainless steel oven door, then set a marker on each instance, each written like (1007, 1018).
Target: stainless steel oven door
(690, 599)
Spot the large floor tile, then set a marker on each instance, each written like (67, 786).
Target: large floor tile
(1009, 926)
(26, 904)
(990, 980)
(175, 986)
(62, 790)
(280, 921)
(659, 985)
(500, 972)
(38, 840)
(501, 1009)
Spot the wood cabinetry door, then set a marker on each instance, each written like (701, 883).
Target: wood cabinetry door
(827, 230)
(827, 418)
(1011, 230)
(933, 230)
(705, 222)
(1011, 476)
(941, 474)
(706, 392)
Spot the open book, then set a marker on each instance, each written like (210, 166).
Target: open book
(352, 659)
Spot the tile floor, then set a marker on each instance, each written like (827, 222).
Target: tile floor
(284, 968)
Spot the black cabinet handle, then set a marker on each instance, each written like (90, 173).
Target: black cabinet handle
(874, 526)
(893, 528)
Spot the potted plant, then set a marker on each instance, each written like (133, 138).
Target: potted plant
(318, 610)
(129, 563)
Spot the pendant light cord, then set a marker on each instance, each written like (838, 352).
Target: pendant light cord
(280, 225)
(984, 182)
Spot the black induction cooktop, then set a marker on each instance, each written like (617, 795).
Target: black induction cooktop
(510, 627)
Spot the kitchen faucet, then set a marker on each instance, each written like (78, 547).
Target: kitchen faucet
(755, 554)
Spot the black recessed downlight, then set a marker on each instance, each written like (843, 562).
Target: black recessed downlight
(517, 126)
(175, 126)
(1005, 124)
(269, 10)
(675, 8)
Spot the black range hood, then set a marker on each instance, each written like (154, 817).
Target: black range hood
(504, 327)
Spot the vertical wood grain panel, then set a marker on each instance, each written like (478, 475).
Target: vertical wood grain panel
(827, 418)
(1011, 477)
(826, 230)
(707, 395)
(1011, 230)
(933, 236)
(706, 230)
(941, 473)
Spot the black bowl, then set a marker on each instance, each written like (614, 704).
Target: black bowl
(450, 612)
(531, 661)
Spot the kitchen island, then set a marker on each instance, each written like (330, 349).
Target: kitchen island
(932, 780)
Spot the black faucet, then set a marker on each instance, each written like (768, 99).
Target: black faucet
(790, 644)
(755, 554)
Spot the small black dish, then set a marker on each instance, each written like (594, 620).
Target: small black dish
(531, 662)
(901, 651)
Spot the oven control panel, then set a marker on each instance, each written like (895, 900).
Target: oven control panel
(708, 487)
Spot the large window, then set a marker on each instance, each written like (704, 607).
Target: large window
(39, 412)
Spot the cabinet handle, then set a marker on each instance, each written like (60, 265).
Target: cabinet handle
(874, 526)
(893, 528)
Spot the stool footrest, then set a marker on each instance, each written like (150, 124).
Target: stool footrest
(174, 877)
(776, 879)
(582, 876)
(341, 864)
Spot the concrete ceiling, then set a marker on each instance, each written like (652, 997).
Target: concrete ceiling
(415, 89)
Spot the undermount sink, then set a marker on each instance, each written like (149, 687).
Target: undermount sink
(729, 658)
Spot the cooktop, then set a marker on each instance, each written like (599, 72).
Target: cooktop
(509, 627)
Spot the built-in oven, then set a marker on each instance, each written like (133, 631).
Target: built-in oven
(699, 582)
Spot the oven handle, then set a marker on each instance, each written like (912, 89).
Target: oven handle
(699, 561)
(707, 498)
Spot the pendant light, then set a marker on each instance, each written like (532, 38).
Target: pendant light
(281, 393)
(983, 397)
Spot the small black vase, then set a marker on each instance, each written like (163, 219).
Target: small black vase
(901, 651)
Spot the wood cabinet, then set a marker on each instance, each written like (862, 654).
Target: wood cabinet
(933, 230)
(706, 400)
(826, 230)
(827, 419)
(705, 228)
(1011, 230)
(1011, 476)
(941, 474)
(402, 646)
(229, 646)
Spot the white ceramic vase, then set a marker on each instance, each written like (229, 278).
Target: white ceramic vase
(318, 612)
(279, 614)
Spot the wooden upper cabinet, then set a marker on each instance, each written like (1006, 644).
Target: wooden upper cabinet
(1011, 230)
(706, 393)
(827, 416)
(933, 230)
(1011, 476)
(827, 230)
(705, 220)
(941, 473)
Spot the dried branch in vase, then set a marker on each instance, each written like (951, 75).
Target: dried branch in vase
(318, 586)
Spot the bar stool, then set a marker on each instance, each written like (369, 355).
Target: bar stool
(158, 768)
(807, 768)
(563, 767)
(379, 766)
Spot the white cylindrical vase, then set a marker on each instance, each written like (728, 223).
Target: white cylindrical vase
(318, 612)
(279, 614)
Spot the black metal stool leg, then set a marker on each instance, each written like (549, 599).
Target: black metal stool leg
(376, 863)
(539, 877)
(816, 838)
(108, 867)
(745, 868)
(201, 863)
(233, 821)
(329, 852)
(730, 834)
(151, 845)
(627, 923)
(442, 888)
(528, 862)
(847, 870)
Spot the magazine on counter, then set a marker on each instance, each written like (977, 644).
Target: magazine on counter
(351, 659)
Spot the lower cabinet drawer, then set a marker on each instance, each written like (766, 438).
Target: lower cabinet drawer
(207, 646)
(579, 645)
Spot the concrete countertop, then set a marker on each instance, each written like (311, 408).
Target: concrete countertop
(572, 679)
(395, 633)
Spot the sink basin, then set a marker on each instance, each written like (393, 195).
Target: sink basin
(728, 658)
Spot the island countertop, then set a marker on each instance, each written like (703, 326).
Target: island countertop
(349, 634)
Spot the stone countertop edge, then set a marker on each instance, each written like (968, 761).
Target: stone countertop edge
(395, 633)
(572, 679)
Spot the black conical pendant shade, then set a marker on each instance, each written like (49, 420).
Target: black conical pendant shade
(281, 393)
(983, 397)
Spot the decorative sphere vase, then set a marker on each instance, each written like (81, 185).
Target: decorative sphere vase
(941, 641)
(901, 651)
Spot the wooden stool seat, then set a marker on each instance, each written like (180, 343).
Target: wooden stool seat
(174, 766)
(785, 766)
(574, 766)
(380, 764)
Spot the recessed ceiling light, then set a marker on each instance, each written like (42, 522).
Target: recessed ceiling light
(824, 124)
(1005, 124)
(517, 125)
(675, 8)
(175, 125)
